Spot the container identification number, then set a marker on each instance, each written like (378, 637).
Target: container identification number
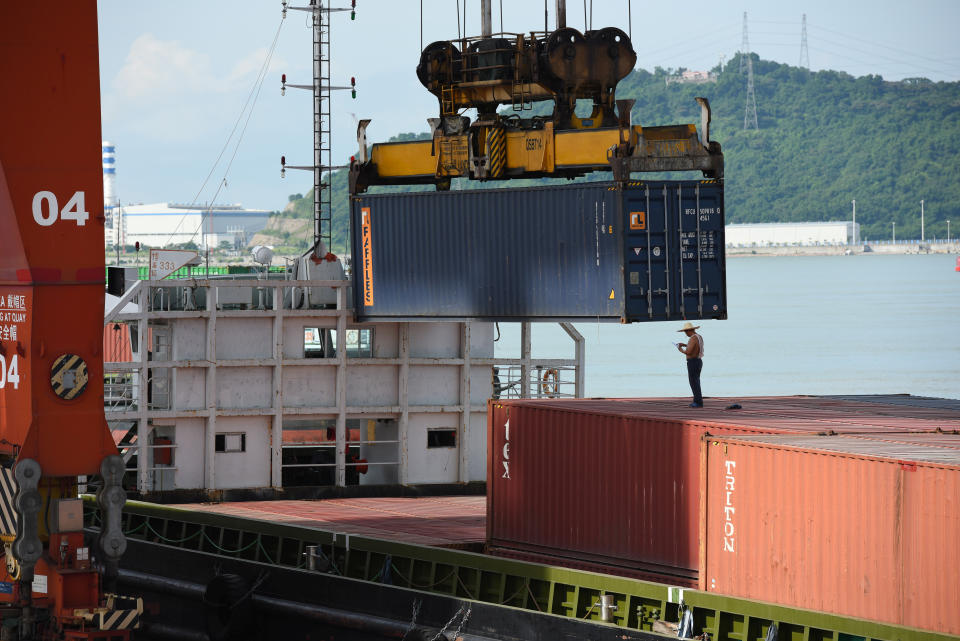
(704, 212)
(506, 450)
(46, 209)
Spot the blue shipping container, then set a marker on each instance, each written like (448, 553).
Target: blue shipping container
(647, 251)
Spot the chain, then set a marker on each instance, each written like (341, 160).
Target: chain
(416, 612)
(256, 584)
(463, 622)
(442, 633)
(413, 619)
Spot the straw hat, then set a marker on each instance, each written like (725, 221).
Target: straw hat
(687, 326)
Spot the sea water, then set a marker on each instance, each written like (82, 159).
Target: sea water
(862, 324)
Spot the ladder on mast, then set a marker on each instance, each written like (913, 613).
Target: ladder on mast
(322, 89)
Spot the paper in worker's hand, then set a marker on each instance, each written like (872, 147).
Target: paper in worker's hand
(675, 344)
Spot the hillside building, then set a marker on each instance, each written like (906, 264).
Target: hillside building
(692, 78)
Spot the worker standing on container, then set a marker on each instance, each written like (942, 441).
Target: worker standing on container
(694, 352)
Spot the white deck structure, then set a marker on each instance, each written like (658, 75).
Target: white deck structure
(245, 390)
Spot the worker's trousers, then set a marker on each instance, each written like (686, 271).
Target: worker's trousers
(694, 365)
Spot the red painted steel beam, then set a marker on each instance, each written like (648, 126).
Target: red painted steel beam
(51, 238)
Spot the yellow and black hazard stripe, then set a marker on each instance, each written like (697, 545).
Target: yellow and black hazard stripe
(496, 151)
(119, 620)
(68, 376)
(8, 490)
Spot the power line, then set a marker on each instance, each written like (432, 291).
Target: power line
(784, 45)
(876, 44)
(254, 91)
(728, 28)
(702, 43)
(788, 34)
(906, 62)
(902, 66)
(867, 63)
(258, 86)
(897, 59)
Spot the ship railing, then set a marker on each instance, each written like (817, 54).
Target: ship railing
(237, 292)
(159, 453)
(547, 378)
(119, 389)
(372, 451)
(644, 609)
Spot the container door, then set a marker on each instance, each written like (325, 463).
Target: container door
(673, 251)
(646, 260)
(702, 270)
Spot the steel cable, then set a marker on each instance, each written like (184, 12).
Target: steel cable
(254, 91)
(258, 85)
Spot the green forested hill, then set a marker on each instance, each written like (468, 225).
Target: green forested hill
(825, 138)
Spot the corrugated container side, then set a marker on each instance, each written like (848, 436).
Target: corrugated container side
(599, 487)
(803, 414)
(848, 525)
(553, 252)
(503, 253)
(607, 482)
(931, 439)
(577, 563)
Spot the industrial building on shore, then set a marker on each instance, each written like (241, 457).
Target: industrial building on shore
(164, 224)
(841, 232)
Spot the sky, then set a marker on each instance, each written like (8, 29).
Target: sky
(181, 102)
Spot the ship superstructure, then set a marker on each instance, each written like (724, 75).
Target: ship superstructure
(246, 383)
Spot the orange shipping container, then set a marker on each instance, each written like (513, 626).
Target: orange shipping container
(613, 485)
(855, 526)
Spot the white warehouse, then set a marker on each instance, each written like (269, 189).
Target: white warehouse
(162, 224)
(773, 234)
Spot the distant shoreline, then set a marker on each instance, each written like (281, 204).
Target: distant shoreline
(842, 250)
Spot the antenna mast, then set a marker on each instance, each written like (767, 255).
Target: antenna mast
(320, 11)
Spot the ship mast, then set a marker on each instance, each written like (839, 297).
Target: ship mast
(320, 12)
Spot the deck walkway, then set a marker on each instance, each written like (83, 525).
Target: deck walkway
(445, 521)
